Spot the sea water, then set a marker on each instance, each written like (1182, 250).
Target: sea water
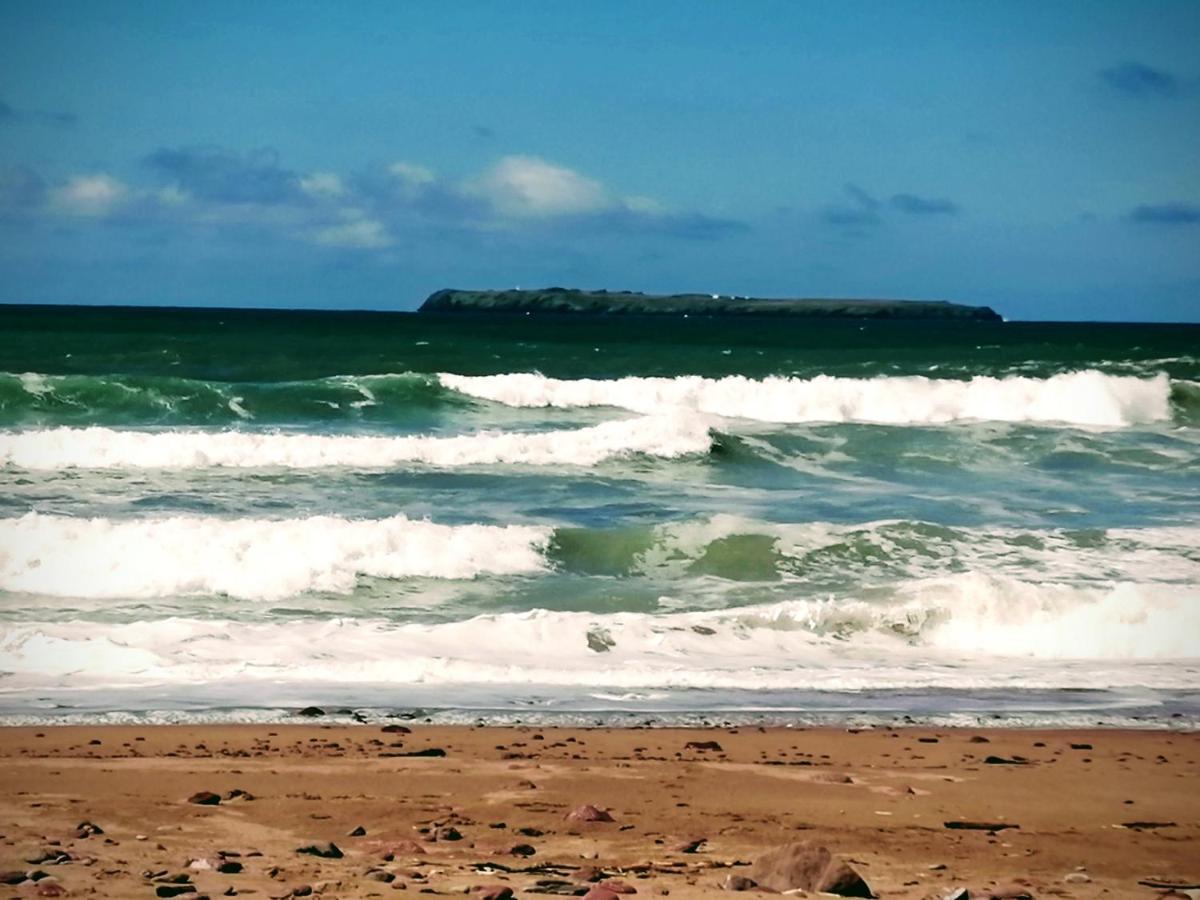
(223, 515)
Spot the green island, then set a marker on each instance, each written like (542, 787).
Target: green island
(558, 300)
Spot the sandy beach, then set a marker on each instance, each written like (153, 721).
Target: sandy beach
(125, 812)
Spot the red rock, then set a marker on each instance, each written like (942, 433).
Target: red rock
(494, 892)
(1006, 892)
(810, 867)
(50, 889)
(396, 729)
(618, 887)
(596, 892)
(687, 845)
(588, 813)
(12, 877)
(703, 745)
(588, 873)
(402, 848)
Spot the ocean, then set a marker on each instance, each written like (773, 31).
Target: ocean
(226, 515)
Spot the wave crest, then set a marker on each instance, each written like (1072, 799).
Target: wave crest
(107, 448)
(1088, 398)
(257, 559)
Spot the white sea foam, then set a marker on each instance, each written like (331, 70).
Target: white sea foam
(102, 448)
(248, 558)
(958, 632)
(1088, 398)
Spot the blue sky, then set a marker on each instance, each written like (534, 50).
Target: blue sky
(1043, 158)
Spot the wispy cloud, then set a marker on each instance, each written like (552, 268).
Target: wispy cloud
(17, 115)
(215, 174)
(859, 209)
(911, 204)
(1166, 214)
(1135, 79)
(97, 195)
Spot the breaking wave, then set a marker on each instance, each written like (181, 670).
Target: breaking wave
(256, 559)
(957, 632)
(107, 448)
(1085, 398)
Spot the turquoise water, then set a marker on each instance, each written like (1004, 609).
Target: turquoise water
(218, 513)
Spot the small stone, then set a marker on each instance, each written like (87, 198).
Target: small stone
(358, 831)
(311, 712)
(12, 877)
(703, 745)
(522, 850)
(327, 850)
(494, 892)
(588, 813)
(174, 890)
(1077, 878)
(205, 798)
(396, 729)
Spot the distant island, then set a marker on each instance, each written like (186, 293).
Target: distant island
(571, 300)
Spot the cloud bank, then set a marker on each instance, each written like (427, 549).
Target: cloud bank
(369, 210)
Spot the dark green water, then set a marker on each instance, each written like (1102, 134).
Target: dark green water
(574, 513)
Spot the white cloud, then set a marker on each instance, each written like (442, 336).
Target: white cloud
(90, 195)
(360, 233)
(322, 184)
(412, 173)
(526, 186)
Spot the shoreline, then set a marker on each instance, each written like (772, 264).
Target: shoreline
(1092, 806)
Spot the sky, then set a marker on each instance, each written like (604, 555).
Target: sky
(1039, 157)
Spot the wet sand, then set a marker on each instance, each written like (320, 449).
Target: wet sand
(1098, 811)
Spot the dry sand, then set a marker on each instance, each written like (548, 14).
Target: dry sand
(878, 798)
